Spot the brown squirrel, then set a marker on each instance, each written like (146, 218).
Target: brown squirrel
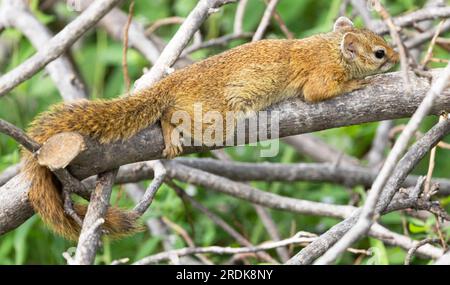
(249, 77)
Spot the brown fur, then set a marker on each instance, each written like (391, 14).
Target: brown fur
(250, 77)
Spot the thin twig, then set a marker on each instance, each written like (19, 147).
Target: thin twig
(218, 221)
(429, 13)
(413, 249)
(265, 20)
(160, 174)
(297, 239)
(431, 165)
(239, 17)
(163, 22)
(91, 232)
(220, 41)
(429, 53)
(182, 232)
(19, 136)
(393, 29)
(126, 76)
(288, 34)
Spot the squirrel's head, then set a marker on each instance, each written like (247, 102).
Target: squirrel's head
(365, 52)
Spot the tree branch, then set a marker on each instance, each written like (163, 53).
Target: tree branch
(265, 20)
(17, 134)
(428, 13)
(297, 239)
(14, 13)
(57, 45)
(91, 231)
(368, 213)
(404, 167)
(296, 117)
(114, 23)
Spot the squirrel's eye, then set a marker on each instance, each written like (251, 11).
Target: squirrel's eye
(379, 54)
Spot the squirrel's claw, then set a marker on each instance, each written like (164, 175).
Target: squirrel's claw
(172, 151)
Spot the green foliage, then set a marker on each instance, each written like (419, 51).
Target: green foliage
(98, 59)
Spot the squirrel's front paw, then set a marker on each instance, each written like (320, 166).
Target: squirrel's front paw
(172, 151)
(363, 82)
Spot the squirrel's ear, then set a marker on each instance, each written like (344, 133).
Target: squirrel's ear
(342, 23)
(348, 45)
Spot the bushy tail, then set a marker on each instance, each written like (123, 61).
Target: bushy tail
(46, 199)
(105, 121)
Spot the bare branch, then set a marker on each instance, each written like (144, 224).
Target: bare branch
(14, 13)
(239, 17)
(265, 20)
(18, 135)
(413, 249)
(296, 117)
(114, 23)
(163, 22)
(429, 13)
(314, 147)
(57, 45)
(297, 239)
(150, 192)
(425, 36)
(376, 154)
(218, 221)
(91, 232)
(215, 42)
(9, 173)
(393, 30)
(405, 166)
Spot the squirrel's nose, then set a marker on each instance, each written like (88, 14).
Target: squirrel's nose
(395, 57)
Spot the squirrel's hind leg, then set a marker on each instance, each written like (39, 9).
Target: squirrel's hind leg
(172, 140)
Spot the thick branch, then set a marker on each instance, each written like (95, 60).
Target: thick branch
(382, 100)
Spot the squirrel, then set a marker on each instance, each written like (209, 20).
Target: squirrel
(249, 77)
